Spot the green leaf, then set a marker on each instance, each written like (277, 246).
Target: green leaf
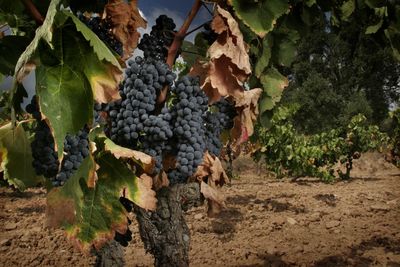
(65, 99)
(265, 119)
(310, 3)
(374, 28)
(45, 33)
(347, 9)
(68, 79)
(91, 212)
(17, 157)
(285, 51)
(380, 13)
(101, 50)
(273, 82)
(266, 103)
(265, 56)
(260, 16)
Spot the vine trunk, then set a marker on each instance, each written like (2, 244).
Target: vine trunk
(164, 232)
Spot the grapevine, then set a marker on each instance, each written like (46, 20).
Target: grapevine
(114, 134)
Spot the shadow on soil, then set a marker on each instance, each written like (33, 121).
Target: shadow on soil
(271, 204)
(224, 225)
(354, 258)
(329, 199)
(269, 260)
(351, 258)
(32, 209)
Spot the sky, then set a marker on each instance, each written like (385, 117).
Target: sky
(177, 10)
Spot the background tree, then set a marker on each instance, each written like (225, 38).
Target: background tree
(340, 72)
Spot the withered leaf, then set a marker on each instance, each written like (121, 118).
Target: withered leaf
(247, 105)
(126, 19)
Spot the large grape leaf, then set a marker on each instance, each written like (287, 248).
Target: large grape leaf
(66, 89)
(96, 61)
(17, 157)
(65, 99)
(92, 213)
(260, 16)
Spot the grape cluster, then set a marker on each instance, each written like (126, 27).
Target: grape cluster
(76, 149)
(45, 159)
(213, 133)
(155, 45)
(217, 121)
(208, 34)
(97, 113)
(188, 127)
(227, 113)
(143, 81)
(103, 29)
(157, 131)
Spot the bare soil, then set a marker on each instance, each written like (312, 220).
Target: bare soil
(267, 222)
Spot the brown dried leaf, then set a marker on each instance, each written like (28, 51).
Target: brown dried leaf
(229, 65)
(223, 77)
(247, 106)
(234, 46)
(146, 199)
(212, 169)
(212, 194)
(218, 24)
(126, 19)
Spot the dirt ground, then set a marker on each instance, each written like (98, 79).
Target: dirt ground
(267, 222)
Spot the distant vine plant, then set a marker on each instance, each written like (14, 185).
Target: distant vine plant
(109, 134)
(287, 152)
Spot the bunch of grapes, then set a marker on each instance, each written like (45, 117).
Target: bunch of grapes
(188, 126)
(157, 131)
(227, 113)
(155, 45)
(143, 81)
(45, 158)
(219, 118)
(208, 34)
(103, 29)
(76, 149)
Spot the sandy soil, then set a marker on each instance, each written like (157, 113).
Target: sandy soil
(267, 222)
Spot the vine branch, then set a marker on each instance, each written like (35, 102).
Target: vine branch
(33, 11)
(177, 43)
